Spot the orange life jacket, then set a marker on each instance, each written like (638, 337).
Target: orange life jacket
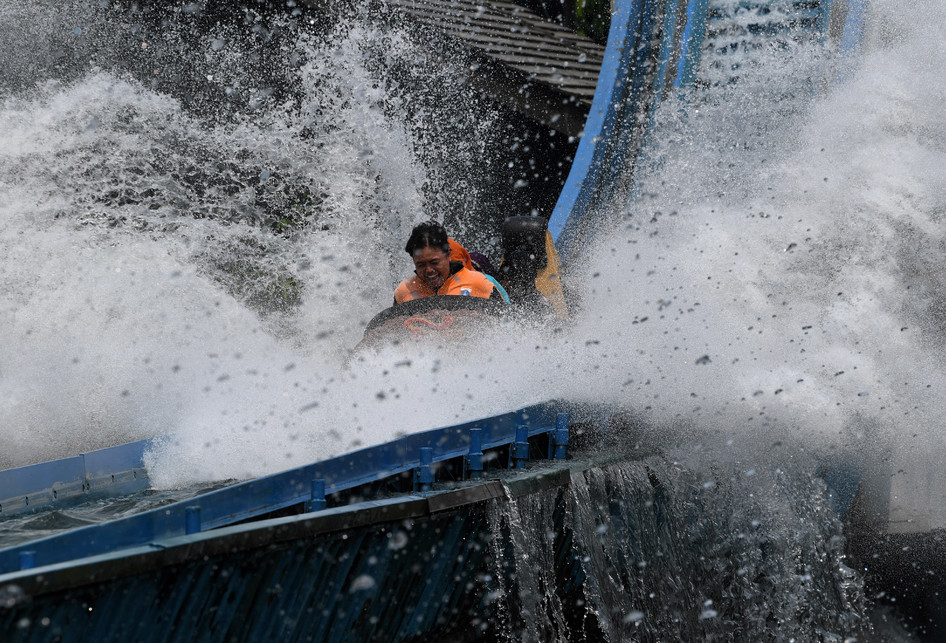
(461, 282)
(459, 253)
(548, 281)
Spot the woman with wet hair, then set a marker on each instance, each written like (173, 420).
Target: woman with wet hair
(434, 272)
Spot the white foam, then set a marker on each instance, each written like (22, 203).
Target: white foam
(800, 254)
(735, 254)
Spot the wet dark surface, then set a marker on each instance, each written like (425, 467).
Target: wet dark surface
(22, 528)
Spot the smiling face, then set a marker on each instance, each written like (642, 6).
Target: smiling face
(432, 265)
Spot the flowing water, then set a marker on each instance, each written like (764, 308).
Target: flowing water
(664, 554)
(199, 216)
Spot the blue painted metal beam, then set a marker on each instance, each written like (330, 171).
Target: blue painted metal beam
(265, 495)
(31, 487)
(853, 26)
(581, 181)
(649, 42)
(692, 42)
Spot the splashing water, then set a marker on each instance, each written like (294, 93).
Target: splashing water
(193, 250)
(195, 267)
(198, 259)
(778, 269)
(648, 550)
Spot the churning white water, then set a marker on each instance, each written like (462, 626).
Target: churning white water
(173, 267)
(782, 267)
(198, 263)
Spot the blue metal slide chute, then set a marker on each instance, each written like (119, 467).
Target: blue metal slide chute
(653, 45)
(654, 51)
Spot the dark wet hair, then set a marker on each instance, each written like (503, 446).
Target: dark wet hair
(428, 233)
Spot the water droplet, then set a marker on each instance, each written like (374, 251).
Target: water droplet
(397, 540)
(635, 616)
(362, 582)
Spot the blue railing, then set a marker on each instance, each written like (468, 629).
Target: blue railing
(307, 485)
(599, 126)
(648, 45)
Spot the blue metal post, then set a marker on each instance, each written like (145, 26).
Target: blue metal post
(317, 500)
(692, 43)
(474, 459)
(192, 520)
(559, 442)
(853, 26)
(27, 559)
(424, 474)
(520, 449)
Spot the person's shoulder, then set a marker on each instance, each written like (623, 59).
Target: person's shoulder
(406, 290)
(404, 286)
(470, 274)
(497, 287)
(477, 283)
(406, 283)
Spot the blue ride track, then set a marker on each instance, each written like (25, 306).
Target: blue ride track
(307, 485)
